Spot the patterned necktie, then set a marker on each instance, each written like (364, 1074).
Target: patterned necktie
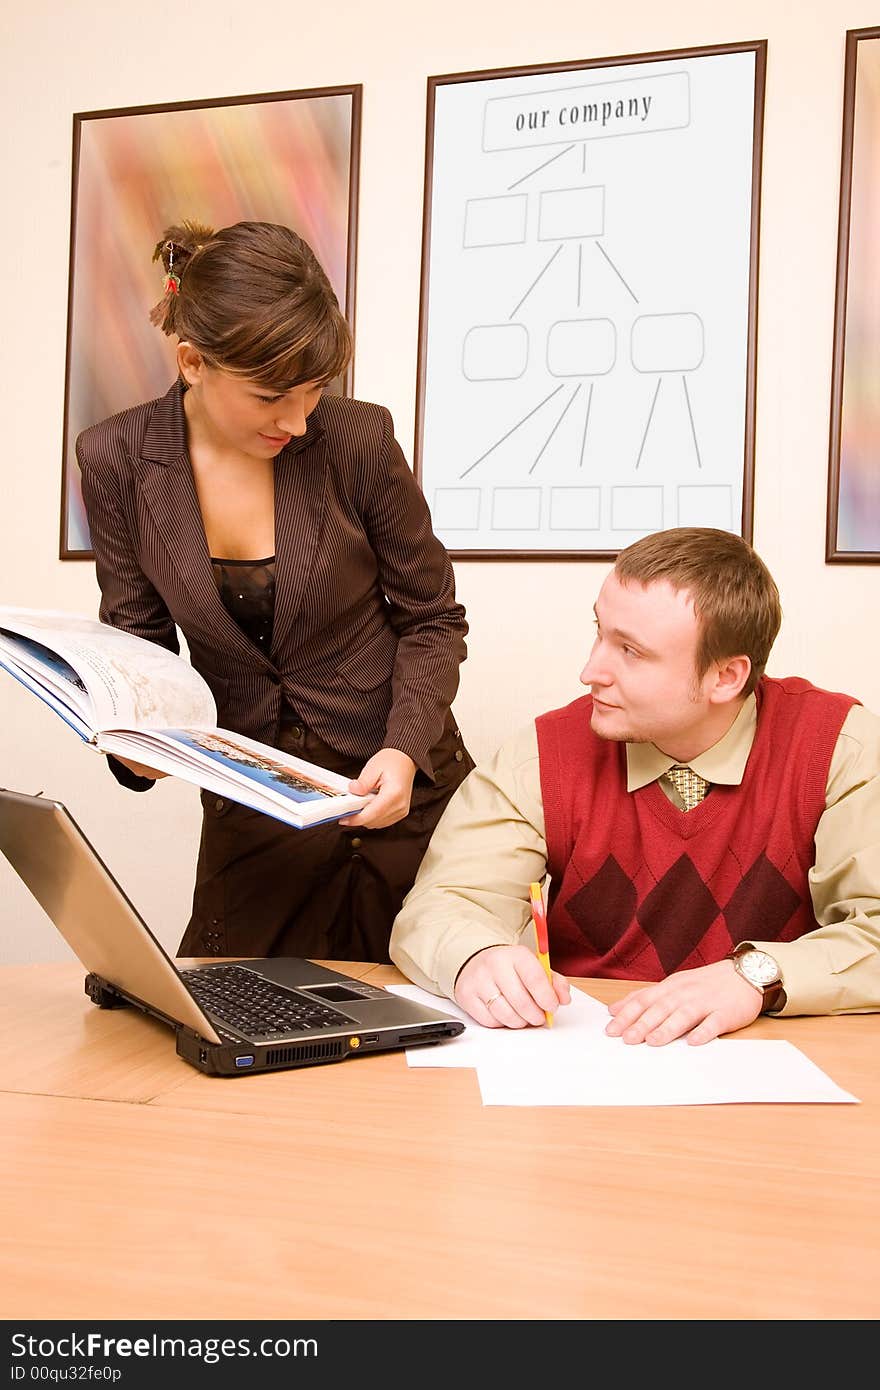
(690, 786)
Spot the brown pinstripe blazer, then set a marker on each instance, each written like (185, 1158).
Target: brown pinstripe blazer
(367, 638)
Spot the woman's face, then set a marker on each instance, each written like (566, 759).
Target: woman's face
(240, 414)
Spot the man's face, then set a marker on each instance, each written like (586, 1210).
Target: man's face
(642, 669)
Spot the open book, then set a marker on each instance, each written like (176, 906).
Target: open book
(139, 701)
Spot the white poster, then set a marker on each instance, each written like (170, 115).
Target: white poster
(586, 357)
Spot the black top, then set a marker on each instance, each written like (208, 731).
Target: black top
(247, 588)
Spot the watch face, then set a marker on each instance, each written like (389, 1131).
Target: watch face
(759, 968)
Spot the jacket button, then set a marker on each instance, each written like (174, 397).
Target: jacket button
(356, 842)
(219, 804)
(459, 756)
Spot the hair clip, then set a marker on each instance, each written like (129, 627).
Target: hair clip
(172, 281)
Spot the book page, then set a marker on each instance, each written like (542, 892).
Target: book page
(130, 682)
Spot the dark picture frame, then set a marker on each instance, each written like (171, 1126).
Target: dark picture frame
(588, 312)
(288, 157)
(853, 510)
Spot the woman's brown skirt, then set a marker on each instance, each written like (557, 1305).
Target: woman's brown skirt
(265, 889)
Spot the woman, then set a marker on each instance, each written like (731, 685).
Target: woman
(281, 530)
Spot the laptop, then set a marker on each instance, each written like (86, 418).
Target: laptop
(229, 1018)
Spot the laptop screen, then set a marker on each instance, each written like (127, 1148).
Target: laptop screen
(76, 889)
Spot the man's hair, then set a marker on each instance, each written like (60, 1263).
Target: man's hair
(735, 598)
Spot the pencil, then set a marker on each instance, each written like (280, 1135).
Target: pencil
(539, 917)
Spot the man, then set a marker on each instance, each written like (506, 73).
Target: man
(703, 826)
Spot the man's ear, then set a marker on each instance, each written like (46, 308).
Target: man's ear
(190, 363)
(730, 677)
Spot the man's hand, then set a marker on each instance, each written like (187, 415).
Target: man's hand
(506, 987)
(390, 774)
(695, 1005)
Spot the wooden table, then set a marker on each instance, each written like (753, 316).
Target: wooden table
(134, 1187)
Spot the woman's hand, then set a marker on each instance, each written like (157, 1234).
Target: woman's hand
(139, 770)
(389, 773)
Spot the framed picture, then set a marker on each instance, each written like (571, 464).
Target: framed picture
(288, 157)
(586, 369)
(853, 530)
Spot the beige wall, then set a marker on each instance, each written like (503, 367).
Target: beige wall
(60, 57)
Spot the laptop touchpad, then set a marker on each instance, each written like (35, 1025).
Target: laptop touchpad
(336, 994)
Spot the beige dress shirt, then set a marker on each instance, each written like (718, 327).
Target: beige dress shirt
(472, 888)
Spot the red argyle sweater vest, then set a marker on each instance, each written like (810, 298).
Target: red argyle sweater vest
(638, 888)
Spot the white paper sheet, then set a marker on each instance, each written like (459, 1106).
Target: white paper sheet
(576, 1063)
(722, 1072)
(583, 1017)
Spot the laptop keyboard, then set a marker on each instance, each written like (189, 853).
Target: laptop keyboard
(255, 1006)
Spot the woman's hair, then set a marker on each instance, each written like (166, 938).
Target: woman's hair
(735, 597)
(254, 300)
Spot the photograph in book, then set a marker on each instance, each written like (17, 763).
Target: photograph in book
(136, 700)
(44, 657)
(266, 768)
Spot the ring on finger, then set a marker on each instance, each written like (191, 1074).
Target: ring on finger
(492, 1000)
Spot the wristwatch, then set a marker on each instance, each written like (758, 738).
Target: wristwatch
(761, 971)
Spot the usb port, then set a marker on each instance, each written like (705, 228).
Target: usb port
(245, 1061)
(370, 1037)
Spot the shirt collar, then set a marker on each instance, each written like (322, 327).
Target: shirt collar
(724, 762)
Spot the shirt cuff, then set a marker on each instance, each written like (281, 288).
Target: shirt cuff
(126, 778)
